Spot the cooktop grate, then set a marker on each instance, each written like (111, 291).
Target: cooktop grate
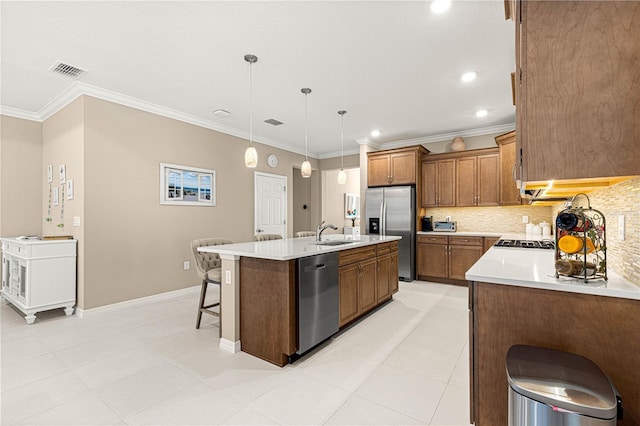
(535, 244)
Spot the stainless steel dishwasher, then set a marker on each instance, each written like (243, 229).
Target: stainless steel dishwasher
(317, 299)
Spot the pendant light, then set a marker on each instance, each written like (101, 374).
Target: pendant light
(251, 155)
(305, 170)
(342, 175)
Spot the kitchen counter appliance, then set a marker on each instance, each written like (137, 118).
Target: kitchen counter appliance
(447, 226)
(392, 211)
(317, 300)
(533, 244)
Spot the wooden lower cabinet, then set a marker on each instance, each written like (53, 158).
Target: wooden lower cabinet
(602, 329)
(447, 259)
(367, 278)
(433, 256)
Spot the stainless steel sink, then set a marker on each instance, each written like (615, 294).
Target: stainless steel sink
(333, 242)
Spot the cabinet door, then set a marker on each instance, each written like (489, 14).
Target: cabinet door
(393, 272)
(488, 243)
(487, 180)
(403, 168)
(432, 260)
(509, 193)
(367, 285)
(446, 183)
(378, 170)
(348, 283)
(466, 174)
(382, 278)
(461, 258)
(586, 125)
(430, 184)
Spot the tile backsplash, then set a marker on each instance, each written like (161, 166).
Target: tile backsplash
(492, 219)
(623, 199)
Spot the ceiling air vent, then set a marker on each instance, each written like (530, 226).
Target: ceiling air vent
(273, 122)
(66, 70)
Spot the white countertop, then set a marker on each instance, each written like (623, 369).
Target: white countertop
(295, 248)
(535, 268)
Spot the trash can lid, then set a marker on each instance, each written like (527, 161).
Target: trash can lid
(563, 380)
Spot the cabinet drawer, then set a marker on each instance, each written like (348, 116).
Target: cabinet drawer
(387, 247)
(433, 239)
(465, 241)
(356, 255)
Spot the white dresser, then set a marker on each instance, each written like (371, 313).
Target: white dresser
(38, 275)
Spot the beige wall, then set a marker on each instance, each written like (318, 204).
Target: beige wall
(301, 203)
(134, 246)
(491, 219)
(63, 144)
(21, 175)
(333, 197)
(623, 199)
(334, 163)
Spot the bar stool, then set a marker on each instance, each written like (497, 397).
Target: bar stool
(267, 237)
(209, 268)
(305, 234)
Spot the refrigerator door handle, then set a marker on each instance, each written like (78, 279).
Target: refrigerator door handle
(384, 218)
(381, 230)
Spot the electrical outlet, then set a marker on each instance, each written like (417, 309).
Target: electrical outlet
(227, 277)
(525, 219)
(621, 227)
(186, 265)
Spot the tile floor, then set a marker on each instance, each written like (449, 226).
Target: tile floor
(406, 364)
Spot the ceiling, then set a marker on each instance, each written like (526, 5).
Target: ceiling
(393, 65)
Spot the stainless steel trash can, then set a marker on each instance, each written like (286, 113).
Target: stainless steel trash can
(551, 387)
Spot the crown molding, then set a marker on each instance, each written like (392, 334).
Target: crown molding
(338, 154)
(502, 128)
(77, 89)
(19, 113)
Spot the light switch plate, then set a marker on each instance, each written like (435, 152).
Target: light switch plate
(227, 277)
(186, 265)
(525, 219)
(76, 221)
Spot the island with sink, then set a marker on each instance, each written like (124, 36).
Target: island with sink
(280, 298)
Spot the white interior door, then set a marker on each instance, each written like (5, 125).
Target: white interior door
(270, 215)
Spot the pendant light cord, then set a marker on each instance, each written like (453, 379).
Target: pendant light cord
(342, 142)
(250, 103)
(305, 126)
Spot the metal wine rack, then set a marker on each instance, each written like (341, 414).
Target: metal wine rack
(590, 261)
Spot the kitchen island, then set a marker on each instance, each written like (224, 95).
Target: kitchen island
(259, 288)
(514, 298)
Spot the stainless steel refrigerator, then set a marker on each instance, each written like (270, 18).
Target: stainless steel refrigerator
(392, 211)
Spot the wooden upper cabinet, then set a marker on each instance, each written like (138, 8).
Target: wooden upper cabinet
(577, 108)
(477, 180)
(438, 183)
(509, 192)
(394, 167)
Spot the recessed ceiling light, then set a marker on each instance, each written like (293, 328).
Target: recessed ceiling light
(222, 113)
(440, 6)
(375, 133)
(482, 113)
(469, 76)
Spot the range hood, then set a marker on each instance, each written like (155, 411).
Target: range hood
(553, 192)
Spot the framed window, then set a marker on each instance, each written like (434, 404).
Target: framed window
(187, 186)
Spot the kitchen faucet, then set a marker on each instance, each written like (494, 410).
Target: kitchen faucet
(320, 229)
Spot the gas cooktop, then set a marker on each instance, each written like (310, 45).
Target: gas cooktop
(535, 244)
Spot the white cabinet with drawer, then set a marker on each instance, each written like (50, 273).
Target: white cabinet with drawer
(38, 275)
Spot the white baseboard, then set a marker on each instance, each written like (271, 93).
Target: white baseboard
(230, 346)
(140, 301)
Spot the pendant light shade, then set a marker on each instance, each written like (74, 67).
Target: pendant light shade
(305, 170)
(342, 175)
(251, 155)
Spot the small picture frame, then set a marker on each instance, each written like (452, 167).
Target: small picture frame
(187, 186)
(63, 173)
(50, 173)
(69, 189)
(55, 196)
